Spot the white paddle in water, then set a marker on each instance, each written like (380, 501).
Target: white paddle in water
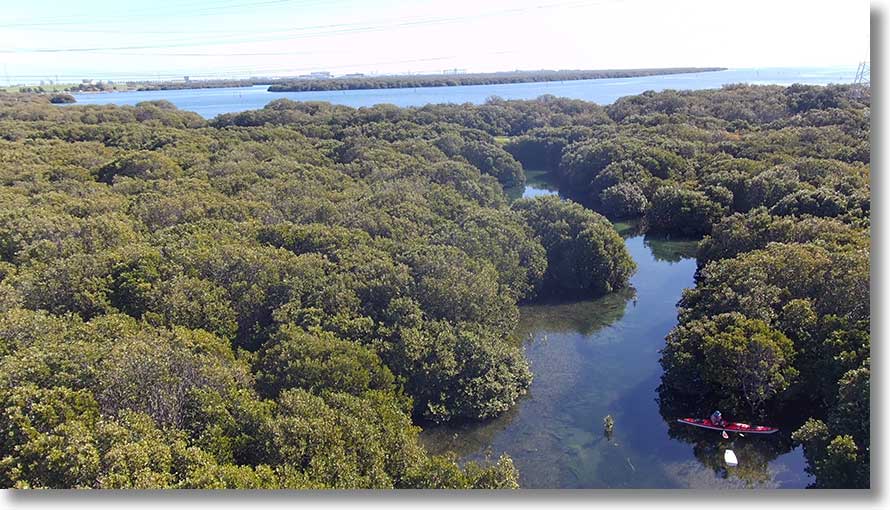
(730, 458)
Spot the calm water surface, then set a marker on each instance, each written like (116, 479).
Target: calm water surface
(538, 183)
(600, 357)
(212, 102)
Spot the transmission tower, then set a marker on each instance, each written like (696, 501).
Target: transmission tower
(862, 81)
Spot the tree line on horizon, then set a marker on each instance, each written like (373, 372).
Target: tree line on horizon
(458, 79)
(360, 81)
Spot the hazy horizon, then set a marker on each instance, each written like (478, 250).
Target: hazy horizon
(206, 39)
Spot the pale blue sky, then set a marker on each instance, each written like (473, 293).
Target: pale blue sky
(42, 39)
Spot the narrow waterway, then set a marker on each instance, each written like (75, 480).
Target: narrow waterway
(600, 357)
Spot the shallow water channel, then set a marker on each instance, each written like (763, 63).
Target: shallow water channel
(600, 357)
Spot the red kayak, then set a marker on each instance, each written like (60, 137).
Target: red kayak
(731, 427)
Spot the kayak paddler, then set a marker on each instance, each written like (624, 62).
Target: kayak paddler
(717, 420)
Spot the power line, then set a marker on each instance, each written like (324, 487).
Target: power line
(229, 71)
(92, 19)
(297, 33)
(219, 55)
(155, 48)
(130, 11)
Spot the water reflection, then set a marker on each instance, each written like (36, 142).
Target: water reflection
(665, 250)
(599, 357)
(764, 462)
(538, 183)
(591, 359)
(533, 191)
(662, 248)
(584, 317)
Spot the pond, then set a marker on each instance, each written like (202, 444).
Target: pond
(600, 357)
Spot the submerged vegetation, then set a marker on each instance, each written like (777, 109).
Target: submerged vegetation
(274, 298)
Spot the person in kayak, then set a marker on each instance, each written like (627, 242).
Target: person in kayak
(717, 419)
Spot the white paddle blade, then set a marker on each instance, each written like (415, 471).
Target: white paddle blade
(730, 458)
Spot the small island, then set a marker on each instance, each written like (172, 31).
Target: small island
(360, 82)
(62, 99)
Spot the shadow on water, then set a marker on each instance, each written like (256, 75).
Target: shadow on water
(541, 328)
(662, 248)
(580, 316)
(765, 462)
(537, 183)
(666, 250)
(585, 356)
(599, 357)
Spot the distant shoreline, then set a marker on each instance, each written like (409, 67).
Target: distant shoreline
(455, 80)
(368, 82)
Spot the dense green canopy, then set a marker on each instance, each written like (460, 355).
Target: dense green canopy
(274, 298)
